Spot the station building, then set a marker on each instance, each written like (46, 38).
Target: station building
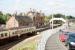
(19, 21)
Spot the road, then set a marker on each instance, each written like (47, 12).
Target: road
(53, 43)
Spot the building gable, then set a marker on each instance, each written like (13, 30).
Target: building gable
(12, 22)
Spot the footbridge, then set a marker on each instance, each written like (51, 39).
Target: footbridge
(58, 19)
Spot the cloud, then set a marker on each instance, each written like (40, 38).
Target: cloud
(48, 6)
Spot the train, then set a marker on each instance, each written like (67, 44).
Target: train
(15, 33)
(9, 35)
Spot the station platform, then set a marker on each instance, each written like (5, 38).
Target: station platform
(53, 43)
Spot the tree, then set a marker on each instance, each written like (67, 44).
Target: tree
(8, 14)
(3, 18)
(59, 16)
(1, 13)
(70, 17)
(46, 19)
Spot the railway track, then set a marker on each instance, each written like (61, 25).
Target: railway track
(11, 44)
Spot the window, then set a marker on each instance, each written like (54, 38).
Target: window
(5, 34)
(27, 29)
(22, 30)
(1, 35)
(13, 33)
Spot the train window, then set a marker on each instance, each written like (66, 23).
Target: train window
(27, 29)
(5, 34)
(1, 35)
(22, 30)
(13, 33)
(16, 32)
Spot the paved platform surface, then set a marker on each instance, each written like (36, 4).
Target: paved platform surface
(53, 43)
(46, 34)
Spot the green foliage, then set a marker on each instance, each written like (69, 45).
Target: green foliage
(3, 18)
(1, 13)
(8, 14)
(50, 16)
(59, 16)
(70, 17)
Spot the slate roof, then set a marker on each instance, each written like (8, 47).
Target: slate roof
(25, 19)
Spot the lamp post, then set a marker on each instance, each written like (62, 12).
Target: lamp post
(52, 21)
(52, 18)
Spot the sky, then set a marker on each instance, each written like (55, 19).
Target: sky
(66, 7)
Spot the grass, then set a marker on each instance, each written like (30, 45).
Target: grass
(32, 45)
